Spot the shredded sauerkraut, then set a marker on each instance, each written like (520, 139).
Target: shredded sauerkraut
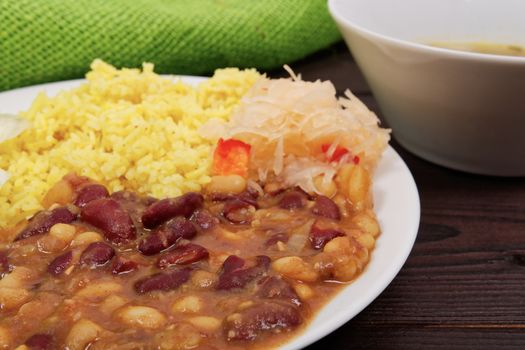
(287, 122)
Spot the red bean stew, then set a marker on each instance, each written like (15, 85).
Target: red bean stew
(216, 270)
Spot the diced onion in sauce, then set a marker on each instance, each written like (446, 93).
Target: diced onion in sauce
(298, 239)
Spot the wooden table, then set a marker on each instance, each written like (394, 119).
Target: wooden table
(463, 286)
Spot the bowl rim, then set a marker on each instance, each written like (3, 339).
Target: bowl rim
(340, 19)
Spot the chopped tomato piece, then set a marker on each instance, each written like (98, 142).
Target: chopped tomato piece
(231, 157)
(356, 160)
(339, 152)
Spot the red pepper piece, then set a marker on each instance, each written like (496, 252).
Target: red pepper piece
(338, 153)
(231, 157)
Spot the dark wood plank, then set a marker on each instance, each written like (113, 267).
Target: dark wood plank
(335, 64)
(421, 338)
(463, 286)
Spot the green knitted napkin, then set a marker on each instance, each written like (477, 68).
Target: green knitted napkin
(49, 40)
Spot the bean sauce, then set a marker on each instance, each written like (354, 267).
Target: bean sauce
(203, 270)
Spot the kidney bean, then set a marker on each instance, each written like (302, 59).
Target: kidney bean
(319, 237)
(265, 316)
(232, 263)
(271, 287)
(152, 244)
(89, 193)
(178, 228)
(262, 261)
(122, 265)
(235, 279)
(40, 342)
(167, 235)
(168, 208)
(183, 255)
(236, 211)
(293, 200)
(252, 192)
(204, 219)
(278, 237)
(109, 216)
(44, 220)
(97, 254)
(163, 281)
(60, 263)
(326, 207)
(234, 276)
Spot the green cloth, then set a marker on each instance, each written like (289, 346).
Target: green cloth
(49, 40)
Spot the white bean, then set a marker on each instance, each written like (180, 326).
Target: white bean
(63, 232)
(17, 278)
(227, 184)
(203, 279)
(367, 223)
(50, 244)
(366, 240)
(141, 317)
(328, 189)
(296, 268)
(86, 238)
(181, 336)
(61, 193)
(111, 303)
(97, 290)
(11, 298)
(81, 334)
(205, 323)
(358, 187)
(345, 254)
(303, 291)
(190, 303)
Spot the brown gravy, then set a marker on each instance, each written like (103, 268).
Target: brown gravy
(202, 271)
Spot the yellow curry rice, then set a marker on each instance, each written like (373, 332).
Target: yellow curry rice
(126, 128)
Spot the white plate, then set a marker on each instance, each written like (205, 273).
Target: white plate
(396, 204)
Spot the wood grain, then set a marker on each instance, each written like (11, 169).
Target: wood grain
(463, 286)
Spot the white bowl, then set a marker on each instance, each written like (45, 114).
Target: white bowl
(459, 109)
